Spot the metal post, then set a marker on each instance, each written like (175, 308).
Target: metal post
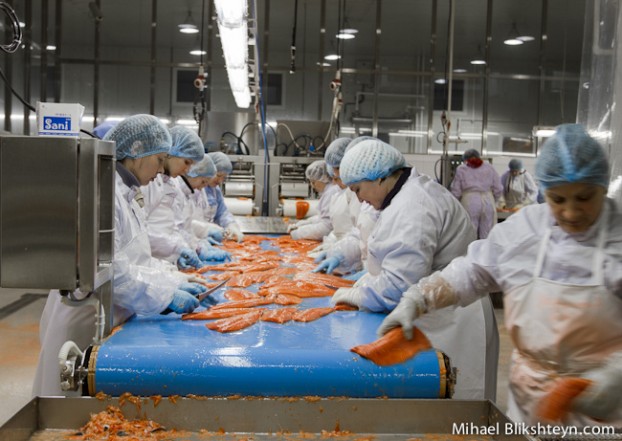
(321, 59)
(96, 67)
(27, 64)
(58, 42)
(486, 77)
(44, 55)
(152, 68)
(374, 130)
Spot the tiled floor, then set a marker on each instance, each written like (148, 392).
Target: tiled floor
(19, 347)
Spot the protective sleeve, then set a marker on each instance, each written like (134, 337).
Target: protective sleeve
(457, 184)
(349, 248)
(317, 230)
(166, 243)
(143, 289)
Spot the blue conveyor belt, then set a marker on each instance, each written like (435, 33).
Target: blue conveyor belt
(167, 356)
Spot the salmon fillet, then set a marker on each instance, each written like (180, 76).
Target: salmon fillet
(240, 294)
(210, 314)
(311, 314)
(236, 323)
(280, 315)
(557, 402)
(285, 299)
(393, 348)
(248, 303)
(324, 279)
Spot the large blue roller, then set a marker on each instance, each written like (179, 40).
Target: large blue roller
(164, 355)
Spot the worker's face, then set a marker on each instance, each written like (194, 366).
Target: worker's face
(318, 186)
(146, 168)
(515, 172)
(372, 192)
(218, 179)
(337, 179)
(174, 166)
(575, 206)
(198, 182)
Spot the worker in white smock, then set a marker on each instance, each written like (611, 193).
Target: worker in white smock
(477, 185)
(519, 188)
(159, 195)
(190, 207)
(421, 228)
(218, 212)
(344, 207)
(319, 225)
(349, 253)
(142, 284)
(559, 265)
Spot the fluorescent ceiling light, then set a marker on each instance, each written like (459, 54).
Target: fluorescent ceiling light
(513, 42)
(22, 24)
(324, 64)
(187, 28)
(525, 38)
(440, 81)
(344, 36)
(332, 57)
(544, 133)
(234, 45)
(478, 61)
(348, 31)
(197, 52)
(50, 47)
(460, 70)
(231, 13)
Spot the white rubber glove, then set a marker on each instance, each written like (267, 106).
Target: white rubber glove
(350, 296)
(291, 227)
(604, 396)
(411, 306)
(233, 231)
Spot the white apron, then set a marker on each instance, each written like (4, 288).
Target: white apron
(559, 330)
(514, 190)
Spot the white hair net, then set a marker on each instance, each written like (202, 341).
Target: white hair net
(186, 144)
(369, 160)
(572, 155)
(205, 168)
(221, 161)
(335, 151)
(139, 135)
(515, 164)
(316, 171)
(355, 141)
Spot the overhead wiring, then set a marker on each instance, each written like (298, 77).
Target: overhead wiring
(17, 30)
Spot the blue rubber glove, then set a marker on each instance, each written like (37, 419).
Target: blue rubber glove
(188, 259)
(207, 252)
(329, 264)
(320, 257)
(183, 302)
(209, 301)
(355, 276)
(193, 288)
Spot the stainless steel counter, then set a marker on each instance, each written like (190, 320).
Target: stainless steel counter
(261, 224)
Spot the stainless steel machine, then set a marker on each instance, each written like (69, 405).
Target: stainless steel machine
(288, 181)
(57, 223)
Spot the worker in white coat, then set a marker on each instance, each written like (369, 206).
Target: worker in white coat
(319, 225)
(559, 265)
(349, 253)
(478, 186)
(519, 188)
(421, 228)
(159, 195)
(190, 209)
(142, 284)
(218, 212)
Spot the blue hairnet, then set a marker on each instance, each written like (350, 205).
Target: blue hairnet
(572, 155)
(316, 171)
(515, 164)
(186, 144)
(205, 168)
(221, 161)
(101, 130)
(369, 160)
(470, 153)
(139, 135)
(355, 141)
(335, 151)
